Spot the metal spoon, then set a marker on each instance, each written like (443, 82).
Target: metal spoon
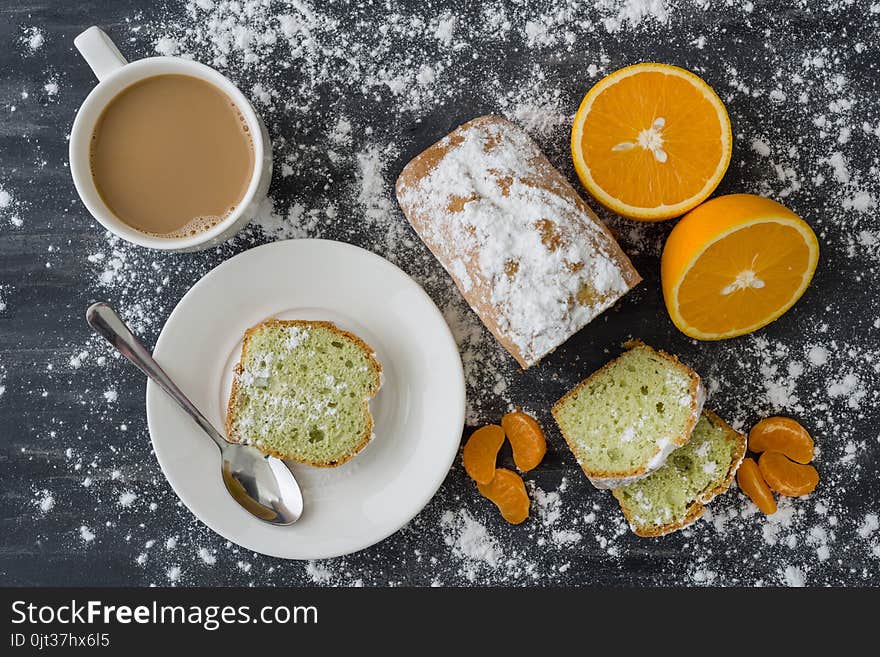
(262, 484)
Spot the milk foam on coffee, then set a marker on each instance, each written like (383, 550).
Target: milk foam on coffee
(172, 156)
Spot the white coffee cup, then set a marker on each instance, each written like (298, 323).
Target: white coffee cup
(114, 74)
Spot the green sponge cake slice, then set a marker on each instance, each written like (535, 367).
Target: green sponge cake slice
(623, 421)
(301, 391)
(674, 496)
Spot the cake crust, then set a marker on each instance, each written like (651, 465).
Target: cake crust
(605, 479)
(375, 368)
(527, 253)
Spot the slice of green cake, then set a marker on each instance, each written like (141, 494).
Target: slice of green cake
(301, 391)
(623, 421)
(674, 496)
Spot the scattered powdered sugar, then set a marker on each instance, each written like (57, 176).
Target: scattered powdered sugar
(793, 576)
(318, 573)
(760, 147)
(486, 364)
(869, 525)
(541, 110)
(776, 524)
(849, 386)
(206, 556)
(127, 499)
(821, 538)
(166, 46)
(372, 163)
(173, 574)
(471, 542)
(9, 209)
(349, 94)
(817, 355)
(566, 537)
(548, 505)
(703, 576)
(45, 501)
(482, 558)
(33, 39)
(632, 13)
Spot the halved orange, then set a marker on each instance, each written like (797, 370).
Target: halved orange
(735, 264)
(651, 141)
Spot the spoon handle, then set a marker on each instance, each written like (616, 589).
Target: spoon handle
(109, 325)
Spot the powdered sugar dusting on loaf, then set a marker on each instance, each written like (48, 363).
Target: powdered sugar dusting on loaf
(512, 235)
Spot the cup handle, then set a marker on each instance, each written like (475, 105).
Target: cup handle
(100, 53)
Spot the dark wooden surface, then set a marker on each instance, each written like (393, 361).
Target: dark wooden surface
(61, 438)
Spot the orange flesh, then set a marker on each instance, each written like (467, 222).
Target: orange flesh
(692, 139)
(782, 434)
(508, 492)
(777, 255)
(752, 484)
(480, 453)
(787, 477)
(526, 438)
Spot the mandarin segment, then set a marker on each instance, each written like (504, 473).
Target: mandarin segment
(752, 483)
(480, 452)
(787, 477)
(526, 438)
(508, 492)
(735, 264)
(782, 434)
(651, 141)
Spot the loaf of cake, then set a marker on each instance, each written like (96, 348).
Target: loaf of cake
(623, 421)
(527, 253)
(301, 391)
(675, 495)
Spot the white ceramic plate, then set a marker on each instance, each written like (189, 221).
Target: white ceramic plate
(419, 411)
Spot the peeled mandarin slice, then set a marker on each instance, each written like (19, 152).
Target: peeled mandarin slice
(735, 264)
(508, 492)
(526, 438)
(752, 484)
(787, 477)
(782, 434)
(480, 453)
(651, 141)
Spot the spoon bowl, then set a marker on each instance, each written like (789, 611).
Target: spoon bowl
(251, 476)
(263, 485)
